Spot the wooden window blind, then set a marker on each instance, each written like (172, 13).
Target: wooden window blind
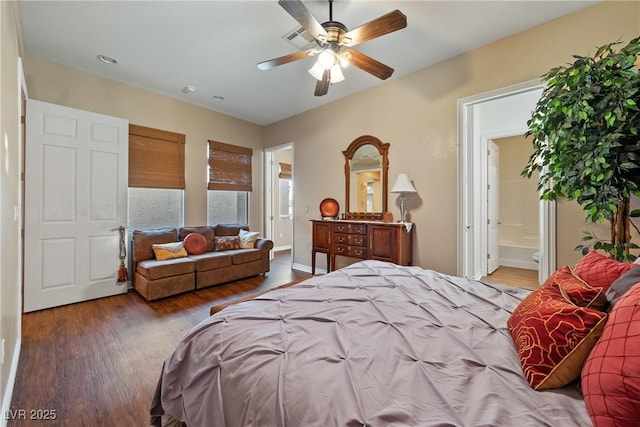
(285, 171)
(229, 167)
(156, 158)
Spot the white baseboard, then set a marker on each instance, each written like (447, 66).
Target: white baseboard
(517, 263)
(307, 268)
(281, 248)
(6, 401)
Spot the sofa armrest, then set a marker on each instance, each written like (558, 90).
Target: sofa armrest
(265, 246)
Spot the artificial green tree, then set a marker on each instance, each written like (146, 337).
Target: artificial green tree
(586, 141)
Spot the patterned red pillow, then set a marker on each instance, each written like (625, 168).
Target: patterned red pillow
(195, 243)
(226, 243)
(611, 374)
(578, 291)
(553, 336)
(600, 271)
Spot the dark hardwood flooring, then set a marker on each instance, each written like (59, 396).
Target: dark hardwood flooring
(96, 363)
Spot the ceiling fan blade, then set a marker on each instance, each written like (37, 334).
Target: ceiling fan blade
(300, 13)
(385, 24)
(370, 65)
(267, 65)
(322, 87)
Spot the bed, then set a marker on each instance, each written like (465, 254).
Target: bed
(372, 344)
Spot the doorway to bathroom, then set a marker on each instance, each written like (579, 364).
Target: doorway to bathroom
(485, 118)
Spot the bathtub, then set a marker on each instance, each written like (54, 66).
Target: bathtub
(517, 256)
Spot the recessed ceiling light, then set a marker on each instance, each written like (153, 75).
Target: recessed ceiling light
(188, 89)
(107, 59)
(218, 97)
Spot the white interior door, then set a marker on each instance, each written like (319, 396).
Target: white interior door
(493, 207)
(76, 172)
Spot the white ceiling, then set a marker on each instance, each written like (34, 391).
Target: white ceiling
(163, 46)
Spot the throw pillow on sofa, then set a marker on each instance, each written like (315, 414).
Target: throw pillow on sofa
(164, 251)
(248, 239)
(226, 243)
(195, 243)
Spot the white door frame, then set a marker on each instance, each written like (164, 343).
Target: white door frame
(268, 199)
(472, 191)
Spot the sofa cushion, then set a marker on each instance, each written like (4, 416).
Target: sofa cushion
(143, 240)
(229, 229)
(211, 260)
(243, 256)
(153, 269)
(206, 231)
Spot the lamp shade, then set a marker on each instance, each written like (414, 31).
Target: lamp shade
(316, 71)
(403, 184)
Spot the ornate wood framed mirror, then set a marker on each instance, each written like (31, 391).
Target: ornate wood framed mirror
(366, 164)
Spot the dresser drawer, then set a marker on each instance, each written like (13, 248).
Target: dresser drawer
(351, 239)
(350, 228)
(352, 251)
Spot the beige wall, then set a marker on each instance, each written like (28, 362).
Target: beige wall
(10, 279)
(417, 115)
(57, 84)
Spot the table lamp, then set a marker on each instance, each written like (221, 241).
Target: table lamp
(403, 186)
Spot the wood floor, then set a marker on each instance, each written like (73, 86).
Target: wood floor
(514, 276)
(96, 363)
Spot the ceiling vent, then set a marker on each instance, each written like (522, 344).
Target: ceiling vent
(300, 38)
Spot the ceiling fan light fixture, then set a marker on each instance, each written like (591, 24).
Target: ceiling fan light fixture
(316, 71)
(327, 58)
(336, 74)
(344, 59)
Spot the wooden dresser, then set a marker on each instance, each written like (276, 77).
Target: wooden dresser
(384, 241)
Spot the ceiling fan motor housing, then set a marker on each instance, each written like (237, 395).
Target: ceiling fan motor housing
(335, 32)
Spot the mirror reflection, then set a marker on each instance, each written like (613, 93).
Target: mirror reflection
(366, 173)
(366, 166)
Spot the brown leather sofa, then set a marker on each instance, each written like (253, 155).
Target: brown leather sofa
(155, 279)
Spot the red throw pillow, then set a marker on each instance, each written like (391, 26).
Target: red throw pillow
(600, 271)
(578, 291)
(553, 336)
(611, 374)
(195, 243)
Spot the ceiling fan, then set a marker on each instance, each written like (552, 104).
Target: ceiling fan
(334, 44)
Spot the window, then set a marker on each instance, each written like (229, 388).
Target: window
(230, 182)
(155, 208)
(225, 207)
(156, 178)
(284, 191)
(286, 205)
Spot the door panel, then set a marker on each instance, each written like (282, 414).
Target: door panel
(493, 205)
(76, 178)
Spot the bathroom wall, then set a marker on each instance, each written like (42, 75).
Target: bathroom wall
(519, 203)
